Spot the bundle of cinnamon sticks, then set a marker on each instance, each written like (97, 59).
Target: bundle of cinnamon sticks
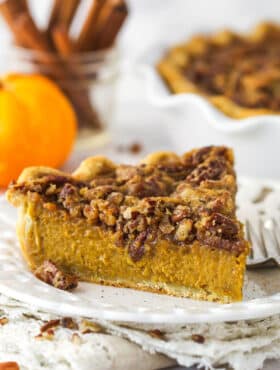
(54, 45)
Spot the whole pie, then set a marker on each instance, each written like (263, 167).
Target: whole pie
(166, 225)
(239, 74)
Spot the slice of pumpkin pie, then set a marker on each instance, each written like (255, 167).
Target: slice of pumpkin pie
(166, 225)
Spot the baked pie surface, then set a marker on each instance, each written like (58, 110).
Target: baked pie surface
(167, 225)
(239, 74)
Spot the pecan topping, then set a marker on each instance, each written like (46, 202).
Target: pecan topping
(223, 226)
(165, 226)
(183, 230)
(180, 212)
(212, 171)
(200, 155)
(91, 212)
(125, 173)
(50, 274)
(115, 198)
(137, 248)
(140, 205)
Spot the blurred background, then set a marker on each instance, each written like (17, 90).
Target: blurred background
(128, 112)
(167, 21)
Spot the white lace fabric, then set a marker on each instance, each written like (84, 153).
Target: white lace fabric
(242, 345)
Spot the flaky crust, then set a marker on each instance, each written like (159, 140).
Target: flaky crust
(177, 57)
(93, 167)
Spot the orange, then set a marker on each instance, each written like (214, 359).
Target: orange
(37, 125)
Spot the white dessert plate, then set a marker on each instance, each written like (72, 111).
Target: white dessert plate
(261, 293)
(194, 122)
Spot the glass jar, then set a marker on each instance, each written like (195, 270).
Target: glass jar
(89, 80)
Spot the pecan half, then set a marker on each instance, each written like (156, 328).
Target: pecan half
(165, 226)
(211, 171)
(180, 212)
(50, 274)
(136, 249)
(223, 226)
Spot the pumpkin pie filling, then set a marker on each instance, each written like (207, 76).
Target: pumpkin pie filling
(239, 74)
(167, 225)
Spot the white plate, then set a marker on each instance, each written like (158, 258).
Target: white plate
(194, 122)
(262, 297)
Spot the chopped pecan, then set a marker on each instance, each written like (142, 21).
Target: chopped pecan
(165, 226)
(4, 321)
(52, 189)
(125, 173)
(129, 213)
(69, 323)
(222, 226)
(91, 212)
(50, 274)
(148, 206)
(210, 171)
(98, 192)
(115, 198)
(200, 155)
(198, 338)
(157, 334)
(49, 325)
(180, 212)
(46, 335)
(146, 187)
(108, 213)
(219, 243)
(136, 249)
(183, 230)
(69, 194)
(87, 327)
(138, 224)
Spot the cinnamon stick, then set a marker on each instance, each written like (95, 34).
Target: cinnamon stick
(68, 12)
(62, 40)
(10, 10)
(50, 65)
(89, 29)
(109, 24)
(32, 37)
(55, 14)
(63, 12)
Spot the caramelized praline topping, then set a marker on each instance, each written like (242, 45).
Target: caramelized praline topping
(181, 200)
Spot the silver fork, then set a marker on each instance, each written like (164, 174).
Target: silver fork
(264, 237)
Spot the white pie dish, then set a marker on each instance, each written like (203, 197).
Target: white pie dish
(194, 122)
